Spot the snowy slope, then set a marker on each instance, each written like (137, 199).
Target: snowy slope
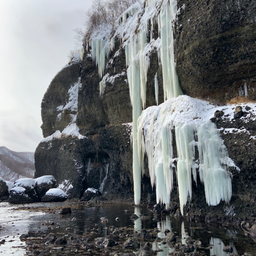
(15, 165)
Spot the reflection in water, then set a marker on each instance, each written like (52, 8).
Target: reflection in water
(183, 233)
(163, 226)
(218, 246)
(86, 220)
(137, 222)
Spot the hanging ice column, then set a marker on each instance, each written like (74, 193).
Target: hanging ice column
(170, 79)
(193, 131)
(138, 63)
(100, 51)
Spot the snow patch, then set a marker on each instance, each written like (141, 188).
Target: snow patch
(56, 192)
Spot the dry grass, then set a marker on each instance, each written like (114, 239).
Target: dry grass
(240, 99)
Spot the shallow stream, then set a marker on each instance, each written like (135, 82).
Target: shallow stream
(13, 223)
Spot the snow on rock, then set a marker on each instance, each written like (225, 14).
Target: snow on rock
(29, 185)
(92, 190)
(90, 193)
(55, 135)
(44, 183)
(18, 195)
(54, 195)
(56, 192)
(25, 182)
(71, 105)
(66, 186)
(47, 179)
(190, 118)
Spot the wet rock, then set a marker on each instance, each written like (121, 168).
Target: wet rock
(145, 253)
(18, 196)
(90, 193)
(102, 242)
(103, 220)
(54, 195)
(108, 243)
(218, 114)
(66, 210)
(3, 188)
(147, 247)
(134, 217)
(50, 238)
(170, 237)
(29, 185)
(61, 241)
(188, 248)
(238, 112)
(130, 244)
(144, 234)
(166, 211)
(24, 237)
(228, 249)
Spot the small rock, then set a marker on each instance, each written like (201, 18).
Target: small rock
(170, 237)
(228, 248)
(66, 210)
(134, 217)
(238, 112)
(129, 244)
(218, 114)
(50, 238)
(61, 241)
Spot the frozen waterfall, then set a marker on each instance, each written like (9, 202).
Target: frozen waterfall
(194, 132)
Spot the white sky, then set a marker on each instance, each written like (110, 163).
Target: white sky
(36, 37)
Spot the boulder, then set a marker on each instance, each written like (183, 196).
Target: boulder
(44, 183)
(3, 188)
(90, 193)
(54, 195)
(29, 185)
(18, 195)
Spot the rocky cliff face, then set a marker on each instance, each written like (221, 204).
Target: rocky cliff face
(215, 49)
(215, 60)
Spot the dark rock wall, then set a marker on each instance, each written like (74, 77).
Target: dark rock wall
(56, 95)
(215, 48)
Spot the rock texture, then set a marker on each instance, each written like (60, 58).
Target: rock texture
(215, 48)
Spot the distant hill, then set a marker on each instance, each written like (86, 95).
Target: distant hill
(15, 165)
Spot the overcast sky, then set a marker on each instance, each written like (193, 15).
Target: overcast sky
(36, 39)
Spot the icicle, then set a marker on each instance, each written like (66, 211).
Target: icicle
(100, 51)
(101, 188)
(155, 127)
(156, 88)
(112, 43)
(138, 63)
(88, 167)
(245, 90)
(170, 80)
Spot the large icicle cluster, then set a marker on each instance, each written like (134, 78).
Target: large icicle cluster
(152, 131)
(194, 132)
(137, 59)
